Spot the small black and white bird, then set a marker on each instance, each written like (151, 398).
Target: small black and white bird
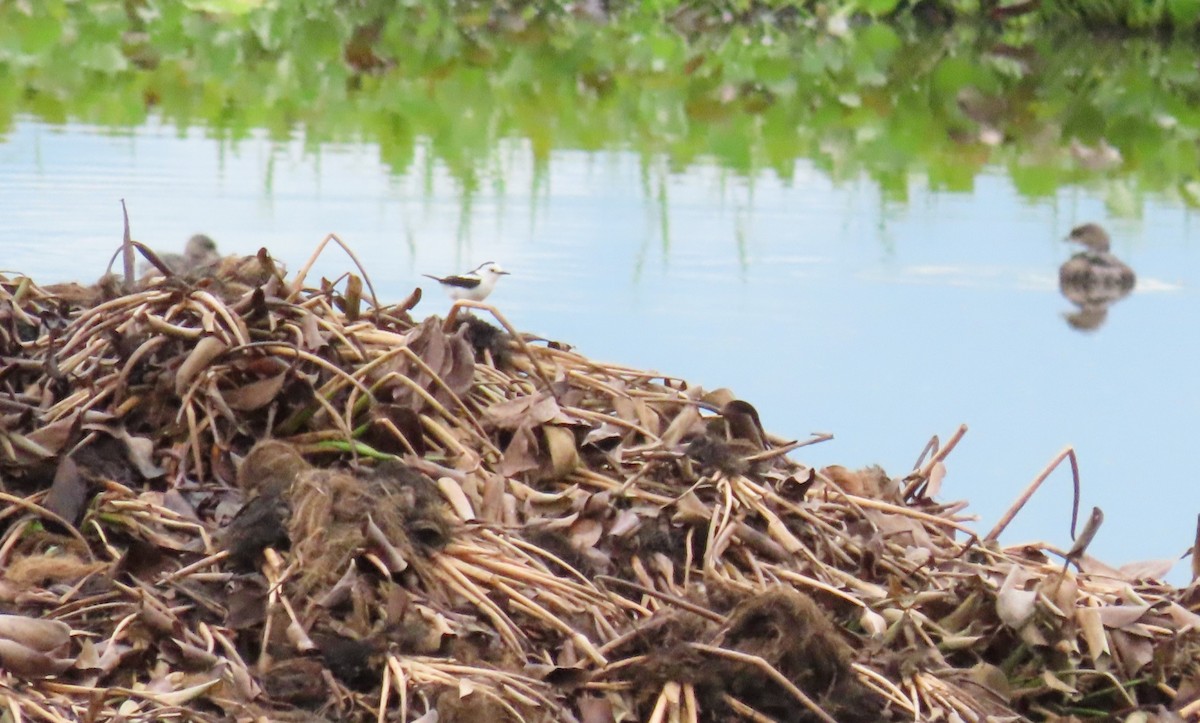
(474, 285)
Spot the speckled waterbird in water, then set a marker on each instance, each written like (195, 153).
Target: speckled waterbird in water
(474, 285)
(1095, 267)
(199, 253)
(1093, 279)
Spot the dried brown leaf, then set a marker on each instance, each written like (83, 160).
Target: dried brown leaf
(530, 410)
(1121, 616)
(1185, 620)
(564, 456)
(460, 372)
(936, 475)
(718, 397)
(40, 635)
(1015, 606)
(626, 521)
(586, 532)
(1054, 683)
(595, 710)
(1134, 651)
(521, 453)
(201, 356)
(53, 437)
(454, 494)
(256, 394)
(1092, 628)
(686, 423)
(25, 662)
(873, 623)
(140, 453)
(68, 494)
(1062, 588)
(1147, 569)
(1196, 552)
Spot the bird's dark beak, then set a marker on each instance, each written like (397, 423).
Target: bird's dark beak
(504, 273)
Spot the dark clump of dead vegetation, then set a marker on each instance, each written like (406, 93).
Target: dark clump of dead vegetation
(232, 497)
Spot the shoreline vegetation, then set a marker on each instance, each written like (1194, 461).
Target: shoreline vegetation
(881, 88)
(247, 495)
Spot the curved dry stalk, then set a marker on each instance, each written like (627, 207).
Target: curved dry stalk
(461, 303)
(412, 356)
(774, 674)
(475, 431)
(788, 448)
(663, 596)
(40, 511)
(298, 282)
(884, 687)
(1007, 517)
(232, 324)
(536, 576)
(506, 628)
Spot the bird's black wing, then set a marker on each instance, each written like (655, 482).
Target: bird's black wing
(462, 282)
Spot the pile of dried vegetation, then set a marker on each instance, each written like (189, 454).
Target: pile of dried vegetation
(235, 498)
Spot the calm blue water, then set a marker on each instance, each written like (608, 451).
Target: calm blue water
(827, 307)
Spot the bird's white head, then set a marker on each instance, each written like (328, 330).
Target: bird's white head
(490, 269)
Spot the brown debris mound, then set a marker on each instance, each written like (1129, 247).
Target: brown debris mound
(233, 498)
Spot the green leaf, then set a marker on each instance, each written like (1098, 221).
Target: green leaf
(876, 8)
(1185, 14)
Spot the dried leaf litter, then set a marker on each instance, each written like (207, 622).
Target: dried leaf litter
(230, 499)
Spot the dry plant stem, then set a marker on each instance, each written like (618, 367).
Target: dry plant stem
(536, 577)
(396, 434)
(592, 478)
(385, 691)
(298, 282)
(1189, 711)
(1068, 453)
(690, 705)
(43, 512)
(233, 323)
(412, 356)
(127, 250)
(744, 710)
(610, 419)
(931, 446)
(774, 674)
(12, 536)
(459, 582)
(401, 684)
(922, 475)
(453, 315)
(886, 688)
(665, 597)
(788, 448)
(668, 698)
(639, 630)
(1129, 700)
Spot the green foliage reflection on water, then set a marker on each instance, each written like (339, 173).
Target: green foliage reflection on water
(886, 100)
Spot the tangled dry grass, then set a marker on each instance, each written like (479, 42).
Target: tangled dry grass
(233, 498)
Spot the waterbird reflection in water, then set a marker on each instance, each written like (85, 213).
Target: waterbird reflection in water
(1093, 279)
